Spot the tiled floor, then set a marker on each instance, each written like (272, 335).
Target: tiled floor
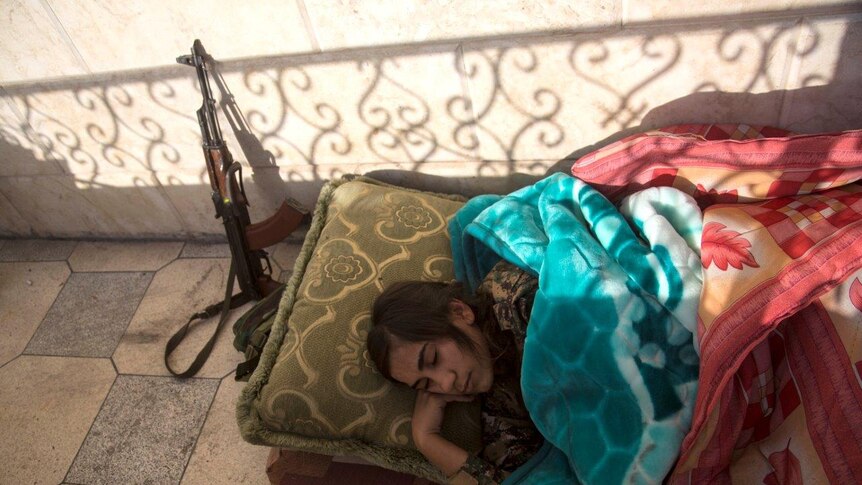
(84, 394)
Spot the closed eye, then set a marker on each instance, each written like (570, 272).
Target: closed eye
(427, 384)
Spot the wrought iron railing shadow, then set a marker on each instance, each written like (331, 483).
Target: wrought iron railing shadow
(480, 108)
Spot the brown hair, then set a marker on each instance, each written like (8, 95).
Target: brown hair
(418, 311)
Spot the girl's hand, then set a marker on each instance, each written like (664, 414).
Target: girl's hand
(427, 418)
(428, 413)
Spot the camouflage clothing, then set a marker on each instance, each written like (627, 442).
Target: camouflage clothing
(509, 435)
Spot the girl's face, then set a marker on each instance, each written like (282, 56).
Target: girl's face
(441, 366)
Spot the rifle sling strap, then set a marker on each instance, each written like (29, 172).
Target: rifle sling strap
(226, 305)
(246, 368)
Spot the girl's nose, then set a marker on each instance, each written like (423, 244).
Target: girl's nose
(447, 382)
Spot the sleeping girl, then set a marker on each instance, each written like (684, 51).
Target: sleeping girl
(609, 373)
(450, 345)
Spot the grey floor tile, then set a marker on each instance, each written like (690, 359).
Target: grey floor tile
(178, 290)
(27, 292)
(145, 432)
(36, 250)
(90, 315)
(205, 250)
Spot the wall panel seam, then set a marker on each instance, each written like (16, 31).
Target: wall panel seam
(64, 34)
(309, 25)
(791, 71)
(468, 95)
(19, 215)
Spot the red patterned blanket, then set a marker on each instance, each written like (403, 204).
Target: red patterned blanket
(780, 316)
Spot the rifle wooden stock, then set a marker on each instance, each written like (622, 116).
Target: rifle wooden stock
(221, 157)
(274, 228)
(209, 157)
(266, 285)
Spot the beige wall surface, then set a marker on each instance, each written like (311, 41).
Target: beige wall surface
(98, 136)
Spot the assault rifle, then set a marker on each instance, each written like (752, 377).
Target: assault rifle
(246, 240)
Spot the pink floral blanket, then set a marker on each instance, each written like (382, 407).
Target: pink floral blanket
(780, 317)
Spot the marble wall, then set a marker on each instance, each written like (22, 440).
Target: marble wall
(98, 136)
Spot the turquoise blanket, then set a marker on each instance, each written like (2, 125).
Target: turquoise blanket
(610, 363)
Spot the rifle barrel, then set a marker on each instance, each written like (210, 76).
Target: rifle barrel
(207, 117)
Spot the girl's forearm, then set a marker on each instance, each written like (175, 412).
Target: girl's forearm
(445, 455)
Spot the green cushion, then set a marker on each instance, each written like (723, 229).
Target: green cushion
(316, 388)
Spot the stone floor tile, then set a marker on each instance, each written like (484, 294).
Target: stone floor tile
(123, 256)
(281, 255)
(284, 255)
(90, 314)
(145, 431)
(281, 276)
(48, 404)
(36, 250)
(221, 456)
(298, 235)
(178, 290)
(27, 291)
(222, 250)
(205, 250)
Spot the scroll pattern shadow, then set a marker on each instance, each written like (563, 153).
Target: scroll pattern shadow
(477, 107)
